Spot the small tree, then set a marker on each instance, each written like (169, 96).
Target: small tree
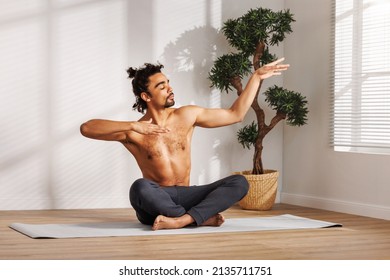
(252, 34)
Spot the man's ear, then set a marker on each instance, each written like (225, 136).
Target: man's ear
(145, 96)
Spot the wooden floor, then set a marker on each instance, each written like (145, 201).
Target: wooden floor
(359, 238)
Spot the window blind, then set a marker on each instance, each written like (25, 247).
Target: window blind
(360, 102)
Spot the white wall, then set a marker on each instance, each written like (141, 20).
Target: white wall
(63, 62)
(314, 174)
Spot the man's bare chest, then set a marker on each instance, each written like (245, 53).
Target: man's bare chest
(165, 145)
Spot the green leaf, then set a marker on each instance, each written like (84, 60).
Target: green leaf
(226, 67)
(247, 135)
(257, 25)
(288, 102)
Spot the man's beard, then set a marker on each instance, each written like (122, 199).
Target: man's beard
(169, 103)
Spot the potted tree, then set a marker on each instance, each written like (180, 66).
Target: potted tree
(251, 35)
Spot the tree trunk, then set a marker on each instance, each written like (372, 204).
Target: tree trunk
(260, 116)
(263, 129)
(257, 157)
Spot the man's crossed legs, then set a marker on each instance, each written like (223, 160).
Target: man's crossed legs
(178, 206)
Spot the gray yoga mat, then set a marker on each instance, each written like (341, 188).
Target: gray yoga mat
(281, 222)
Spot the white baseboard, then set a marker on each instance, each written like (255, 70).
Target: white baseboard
(368, 210)
(66, 202)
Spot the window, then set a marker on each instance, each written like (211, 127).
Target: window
(360, 116)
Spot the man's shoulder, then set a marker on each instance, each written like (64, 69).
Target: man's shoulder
(187, 109)
(188, 113)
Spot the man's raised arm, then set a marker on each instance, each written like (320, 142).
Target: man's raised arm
(236, 113)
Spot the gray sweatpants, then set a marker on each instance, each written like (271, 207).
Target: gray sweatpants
(201, 202)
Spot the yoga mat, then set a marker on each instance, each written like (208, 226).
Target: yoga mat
(281, 222)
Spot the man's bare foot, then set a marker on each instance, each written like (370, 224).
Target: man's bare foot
(163, 222)
(214, 221)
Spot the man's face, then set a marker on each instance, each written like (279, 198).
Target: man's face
(160, 92)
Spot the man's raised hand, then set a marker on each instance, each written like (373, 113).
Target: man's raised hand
(272, 69)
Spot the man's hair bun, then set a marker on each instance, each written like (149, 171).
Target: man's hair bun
(132, 72)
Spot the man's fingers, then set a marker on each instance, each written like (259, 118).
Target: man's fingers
(276, 61)
(281, 67)
(156, 129)
(164, 130)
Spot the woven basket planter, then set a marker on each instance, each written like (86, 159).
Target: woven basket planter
(262, 190)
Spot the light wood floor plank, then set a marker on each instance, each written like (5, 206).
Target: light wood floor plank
(359, 238)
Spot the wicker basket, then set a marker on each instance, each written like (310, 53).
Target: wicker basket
(262, 190)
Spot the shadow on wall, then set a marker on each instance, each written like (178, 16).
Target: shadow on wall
(193, 54)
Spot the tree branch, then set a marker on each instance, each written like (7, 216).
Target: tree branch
(275, 120)
(237, 84)
(258, 54)
(260, 115)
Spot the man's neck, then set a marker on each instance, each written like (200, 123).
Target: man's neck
(159, 117)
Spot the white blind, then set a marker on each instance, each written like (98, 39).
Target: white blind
(360, 116)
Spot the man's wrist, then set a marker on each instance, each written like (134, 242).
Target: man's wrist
(257, 77)
(131, 126)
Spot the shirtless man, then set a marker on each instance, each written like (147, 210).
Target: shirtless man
(160, 141)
